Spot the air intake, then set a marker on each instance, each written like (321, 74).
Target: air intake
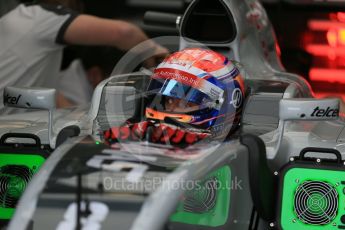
(208, 22)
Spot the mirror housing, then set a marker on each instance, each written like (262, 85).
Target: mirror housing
(30, 98)
(309, 109)
(33, 98)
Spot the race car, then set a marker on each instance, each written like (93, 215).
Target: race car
(282, 169)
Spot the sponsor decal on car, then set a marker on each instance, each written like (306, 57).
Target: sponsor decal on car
(328, 112)
(12, 100)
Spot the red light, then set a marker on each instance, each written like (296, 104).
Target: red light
(336, 37)
(279, 52)
(333, 16)
(341, 16)
(324, 50)
(323, 25)
(328, 75)
(325, 95)
(325, 69)
(341, 36)
(335, 30)
(332, 38)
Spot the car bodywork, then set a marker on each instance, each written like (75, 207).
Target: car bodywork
(247, 38)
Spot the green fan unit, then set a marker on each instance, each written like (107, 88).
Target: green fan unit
(312, 195)
(16, 170)
(208, 203)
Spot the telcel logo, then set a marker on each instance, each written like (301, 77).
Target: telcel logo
(12, 100)
(325, 112)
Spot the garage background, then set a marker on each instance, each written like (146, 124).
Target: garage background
(311, 36)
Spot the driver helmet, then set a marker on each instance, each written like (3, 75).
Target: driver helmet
(196, 89)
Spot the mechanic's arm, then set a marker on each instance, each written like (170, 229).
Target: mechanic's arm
(91, 30)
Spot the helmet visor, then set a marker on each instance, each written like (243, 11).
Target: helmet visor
(172, 89)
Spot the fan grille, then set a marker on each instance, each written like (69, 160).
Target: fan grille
(203, 199)
(316, 203)
(13, 181)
